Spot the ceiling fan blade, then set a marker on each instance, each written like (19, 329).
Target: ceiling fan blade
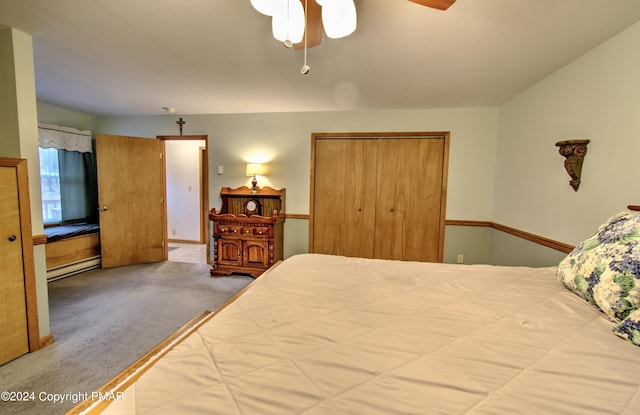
(435, 4)
(314, 25)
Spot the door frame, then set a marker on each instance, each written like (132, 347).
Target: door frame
(28, 260)
(204, 188)
(444, 135)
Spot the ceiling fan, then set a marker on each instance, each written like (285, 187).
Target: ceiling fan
(312, 10)
(314, 19)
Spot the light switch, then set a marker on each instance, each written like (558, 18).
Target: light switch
(220, 169)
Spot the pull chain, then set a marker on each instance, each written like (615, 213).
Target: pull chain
(305, 68)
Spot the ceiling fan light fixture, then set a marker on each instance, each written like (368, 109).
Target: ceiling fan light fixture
(287, 22)
(266, 7)
(289, 19)
(339, 17)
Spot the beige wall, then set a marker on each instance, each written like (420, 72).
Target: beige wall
(283, 140)
(596, 97)
(19, 139)
(52, 114)
(506, 249)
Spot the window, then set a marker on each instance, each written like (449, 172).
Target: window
(50, 186)
(67, 175)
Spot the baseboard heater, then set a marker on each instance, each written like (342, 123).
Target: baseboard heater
(73, 268)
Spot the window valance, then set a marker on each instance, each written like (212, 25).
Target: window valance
(64, 138)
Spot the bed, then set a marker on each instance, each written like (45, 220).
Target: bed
(71, 249)
(327, 335)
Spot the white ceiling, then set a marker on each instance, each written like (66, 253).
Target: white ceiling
(125, 57)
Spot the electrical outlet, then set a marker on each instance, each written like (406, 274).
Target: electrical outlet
(173, 232)
(460, 259)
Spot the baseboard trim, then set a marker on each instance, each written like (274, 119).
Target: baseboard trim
(185, 241)
(541, 240)
(45, 341)
(73, 268)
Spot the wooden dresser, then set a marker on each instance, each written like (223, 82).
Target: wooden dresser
(247, 231)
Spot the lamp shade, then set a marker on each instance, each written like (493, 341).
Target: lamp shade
(255, 169)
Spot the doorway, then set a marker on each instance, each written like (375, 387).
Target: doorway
(187, 198)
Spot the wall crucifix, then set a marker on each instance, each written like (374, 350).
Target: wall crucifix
(180, 123)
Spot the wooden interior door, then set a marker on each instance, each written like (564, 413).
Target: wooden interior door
(14, 340)
(408, 197)
(343, 208)
(19, 332)
(131, 193)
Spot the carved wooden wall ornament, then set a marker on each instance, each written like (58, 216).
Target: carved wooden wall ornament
(574, 152)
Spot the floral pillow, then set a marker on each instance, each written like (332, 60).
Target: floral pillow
(605, 269)
(630, 327)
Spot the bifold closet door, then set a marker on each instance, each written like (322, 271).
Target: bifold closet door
(379, 195)
(344, 203)
(408, 198)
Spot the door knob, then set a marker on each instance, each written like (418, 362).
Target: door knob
(12, 238)
(103, 209)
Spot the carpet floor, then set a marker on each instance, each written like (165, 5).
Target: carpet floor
(104, 320)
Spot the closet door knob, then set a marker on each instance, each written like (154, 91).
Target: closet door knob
(12, 238)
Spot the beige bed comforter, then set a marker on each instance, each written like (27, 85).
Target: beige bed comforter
(325, 335)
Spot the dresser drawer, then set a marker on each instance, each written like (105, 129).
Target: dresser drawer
(224, 229)
(255, 231)
(261, 231)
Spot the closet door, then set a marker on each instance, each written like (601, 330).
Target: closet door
(408, 198)
(19, 332)
(343, 209)
(13, 310)
(379, 195)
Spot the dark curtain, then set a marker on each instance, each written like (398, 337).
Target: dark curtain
(78, 187)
